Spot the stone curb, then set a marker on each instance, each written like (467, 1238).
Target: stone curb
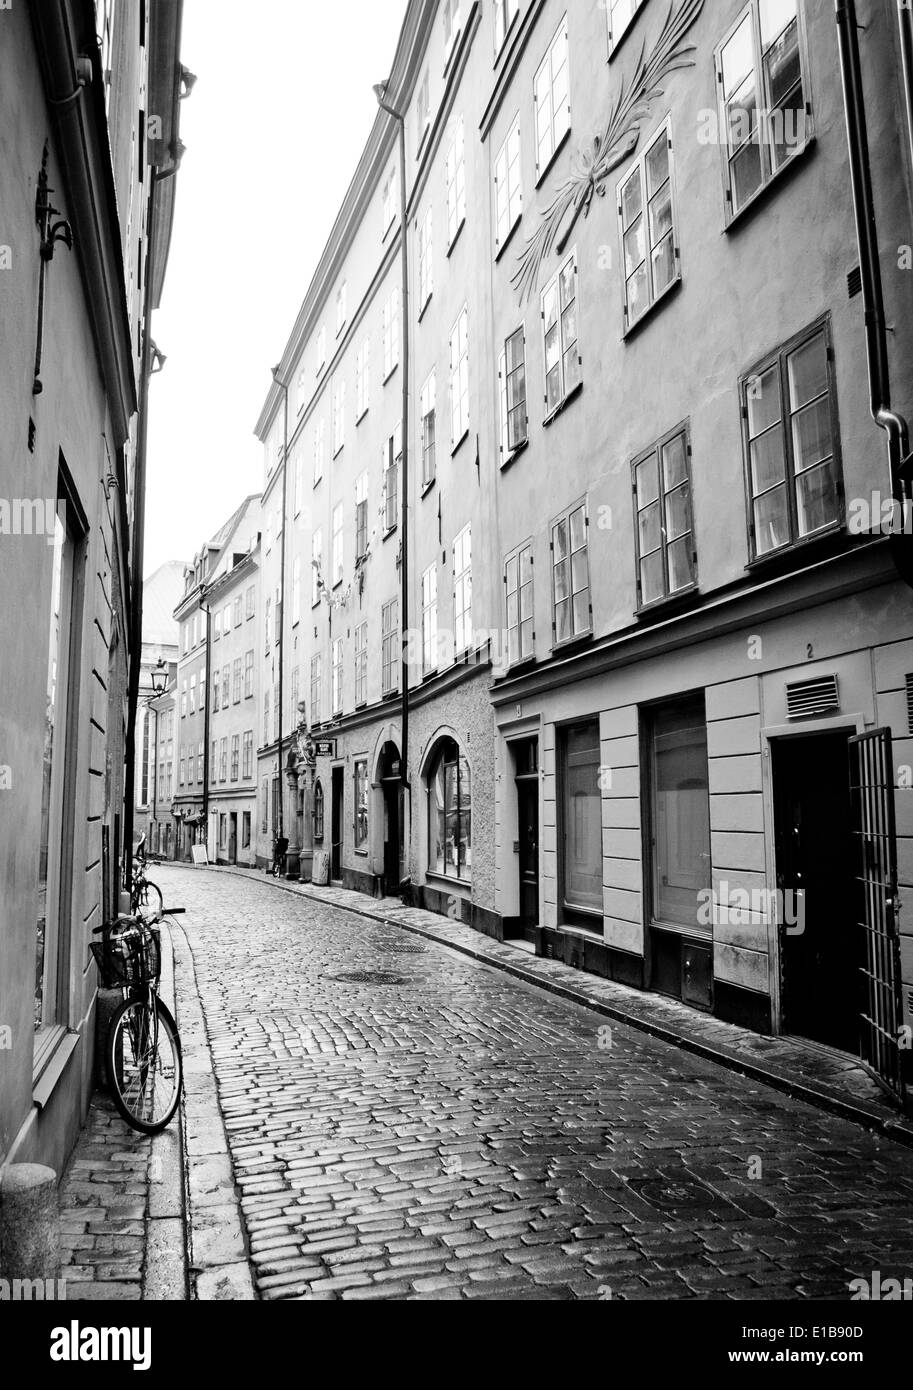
(547, 976)
(215, 1234)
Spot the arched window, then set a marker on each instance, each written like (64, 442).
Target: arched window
(449, 812)
(318, 811)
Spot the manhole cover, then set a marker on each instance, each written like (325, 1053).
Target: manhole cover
(402, 948)
(673, 1194)
(368, 977)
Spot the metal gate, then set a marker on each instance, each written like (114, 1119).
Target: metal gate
(872, 790)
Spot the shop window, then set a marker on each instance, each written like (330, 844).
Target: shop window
(581, 825)
(450, 813)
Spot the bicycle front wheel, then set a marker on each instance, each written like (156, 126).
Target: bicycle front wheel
(144, 1064)
(151, 903)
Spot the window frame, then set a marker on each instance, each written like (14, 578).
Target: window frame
(779, 356)
(461, 553)
(429, 620)
(455, 173)
(638, 168)
(516, 556)
(507, 451)
(337, 545)
(362, 380)
(392, 467)
(336, 684)
(390, 665)
(390, 330)
(615, 37)
(361, 817)
(361, 664)
(506, 12)
(565, 516)
(556, 140)
(425, 231)
(575, 914)
(448, 753)
(459, 373)
(316, 691)
(428, 410)
(510, 222)
(567, 393)
(683, 431)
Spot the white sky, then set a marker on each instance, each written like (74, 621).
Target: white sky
(274, 129)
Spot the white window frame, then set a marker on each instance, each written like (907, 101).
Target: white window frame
(638, 170)
(429, 619)
(389, 638)
(459, 378)
(361, 516)
(423, 107)
(392, 466)
(389, 199)
(507, 447)
(462, 591)
(618, 30)
(338, 545)
(428, 434)
(362, 380)
(316, 683)
(316, 566)
(296, 591)
(565, 518)
(339, 417)
(566, 387)
(342, 297)
(319, 449)
(361, 664)
(521, 635)
(506, 12)
(452, 23)
(337, 676)
(299, 480)
(552, 128)
(321, 349)
(456, 184)
(425, 260)
(508, 186)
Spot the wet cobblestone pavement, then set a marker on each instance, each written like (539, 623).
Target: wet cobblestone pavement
(405, 1122)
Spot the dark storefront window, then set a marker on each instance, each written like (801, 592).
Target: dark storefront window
(450, 813)
(681, 812)
(581, 825)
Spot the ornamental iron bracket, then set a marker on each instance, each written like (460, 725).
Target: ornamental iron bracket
(51, 233)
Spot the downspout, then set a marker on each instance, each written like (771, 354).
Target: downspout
(404, 568)
(282, 595)
(894, 425)
(905, 24)
(206, 717)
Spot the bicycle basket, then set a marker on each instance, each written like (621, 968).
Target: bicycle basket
(127, 960)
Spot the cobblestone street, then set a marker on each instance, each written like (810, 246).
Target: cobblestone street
(404, 1122)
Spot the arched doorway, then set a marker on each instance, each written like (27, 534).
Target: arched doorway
(389, 776)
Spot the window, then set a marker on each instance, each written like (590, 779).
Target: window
(429, 391)
(339, 417)
(296, 590)
(248, 675)
(423, 107)
(236, 681)
(337, 553)
(362, 379)
(663, 535)
(226, 685)
(789, 408)
(248, 766)
(518, 583)
(223, 760)
(266, 716)
(506, 12)
(649, 253)
(319, 444)
(245, 830)
(361, 517)
(268, 615)
(389, 654)
(361, 805)
(342, 295)
(337, 676)
(269, 546)
(264, 806)
(429, 619)
(192, 696)
(559, 327)
(451, 25)
(181, 765)
(251, 601)
(680, 812)
(299, 480)
(425, 260)
(456, 184)
(763, 107)
(216, 686)
(62, 636)
(620, 13)
(318, 811)
(508, 187)
(218, 625)
(184, 700)
(321, 349)
(449, 813)
(462, 591)
(512, 379)
(237, 610)
(361, 665)
(390, 329)
(552, 98)
(276, 710)
(213, 761)
(235, 756)
(393, 452)
(277, 617)
(459, 378)
(316, 680)
(294, 692)
(390, 198)
(202, 692)
(201, 754)
(580, 830)
(316, 567)
(570, 572)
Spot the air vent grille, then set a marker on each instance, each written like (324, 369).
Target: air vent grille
(854, 282)
(807, 698)
(909, 680)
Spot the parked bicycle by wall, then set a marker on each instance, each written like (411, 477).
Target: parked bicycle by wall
(280, 849)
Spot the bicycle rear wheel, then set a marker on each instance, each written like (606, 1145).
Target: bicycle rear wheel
(145, 1068)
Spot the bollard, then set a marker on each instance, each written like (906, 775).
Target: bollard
(29, 1230)
(108, 1002)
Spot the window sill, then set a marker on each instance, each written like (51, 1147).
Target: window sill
(502, 246)
(337, 583)
(421, 312)
(422, 138)
(457, 234)
(669, 602)
(390, 531)
(358, 420)
(571, 644)
(52, 1055)
(390, 373)
(437, 877)
(426, 487)
(632, 329)
(514, 453)
(341, 329)
(337, 452)
(317, 481)
(784, 554)
(388, 229)
(390, 695)
(801, 153)
(429, 675)
(525, 663)
(460, 442)
(508, 33)
(563, 404)
(451, 51)
(617, 43)
(543, 172)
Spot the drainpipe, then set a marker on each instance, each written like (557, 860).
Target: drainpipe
(284, 388)
(206, 716)
(905, 23)
(893, 424)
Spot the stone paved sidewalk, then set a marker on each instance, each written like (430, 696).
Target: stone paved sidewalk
(819, 1076)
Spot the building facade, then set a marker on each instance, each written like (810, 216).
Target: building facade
(234, 688)
(84, 230)
(159, 660)
(214, 618)
(659, 641)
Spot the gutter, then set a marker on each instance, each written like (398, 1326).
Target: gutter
(887, 419)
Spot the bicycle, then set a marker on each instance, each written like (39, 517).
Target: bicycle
(145, 897)
(280, 849)
(143, 1049)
